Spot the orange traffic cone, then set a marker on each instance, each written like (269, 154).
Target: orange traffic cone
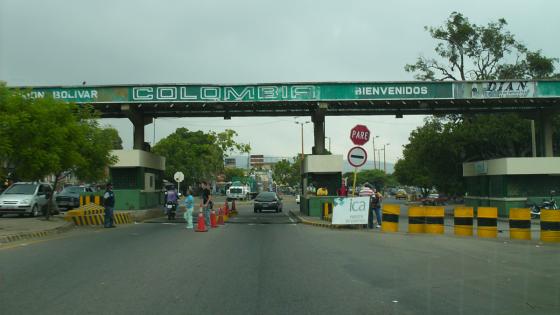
(201, 226)
(213, 219)
(220, 217)
(226, 207)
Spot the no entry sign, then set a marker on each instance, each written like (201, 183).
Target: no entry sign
(357, 156)
(359, 134)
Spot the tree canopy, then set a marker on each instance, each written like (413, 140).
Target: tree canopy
(199, 155)
(466, 51)
(43, 136)
(377, 178)
(286, 172)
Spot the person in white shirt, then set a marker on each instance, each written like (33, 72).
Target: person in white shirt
(367, 191)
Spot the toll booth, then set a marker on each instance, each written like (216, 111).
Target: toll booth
(137, 179)
(319, 171)
(511, 182)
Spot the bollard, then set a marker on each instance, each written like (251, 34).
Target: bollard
(390, 222)
(520, 224)
(97, 200)
(416, 219)
(434, 220)
(487, 222)
(463, 221)
(550, 226)
(325, 210)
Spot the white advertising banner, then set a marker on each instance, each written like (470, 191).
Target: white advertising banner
(350, 210)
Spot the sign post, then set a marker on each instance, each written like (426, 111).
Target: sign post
(179, 177)
(357, 156)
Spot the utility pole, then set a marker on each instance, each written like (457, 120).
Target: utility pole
(384, 160)
(373, 142)
(302, 153)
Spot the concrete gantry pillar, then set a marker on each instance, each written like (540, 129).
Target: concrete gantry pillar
(318, 119)
(546, 133)
(138, 120)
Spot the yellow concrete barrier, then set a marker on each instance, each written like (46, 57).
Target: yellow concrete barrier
(434, 219)
(487, 222)
(416, 219)
(390, 214)
(550, 226)
(520, 223)
(99, 218)
(463, 221)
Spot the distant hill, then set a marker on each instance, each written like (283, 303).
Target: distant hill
(241, 162)
(346, 167)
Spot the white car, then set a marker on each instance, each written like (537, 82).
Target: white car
(297, 199)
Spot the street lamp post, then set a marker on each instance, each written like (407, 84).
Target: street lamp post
(302, 153)
(302, 123)
(384, 159)
(373, 142)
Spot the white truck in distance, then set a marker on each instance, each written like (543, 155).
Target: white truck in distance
(238, 191)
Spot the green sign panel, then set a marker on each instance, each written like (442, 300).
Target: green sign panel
(302, 92)
(250, 93)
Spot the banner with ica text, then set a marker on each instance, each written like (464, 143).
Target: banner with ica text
(350, 210)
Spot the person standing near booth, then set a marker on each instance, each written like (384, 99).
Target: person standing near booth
(367, 191)
(109, 204)
(376, 205)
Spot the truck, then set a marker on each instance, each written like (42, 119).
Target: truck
(238, 191)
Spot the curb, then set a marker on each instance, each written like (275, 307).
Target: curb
(38, 234)
(312, 223)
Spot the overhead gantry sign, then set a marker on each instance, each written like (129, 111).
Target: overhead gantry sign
(141, 103)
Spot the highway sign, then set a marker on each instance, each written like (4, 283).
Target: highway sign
(359, 134)
(357, 156)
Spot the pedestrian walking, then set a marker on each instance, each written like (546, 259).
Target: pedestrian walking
(109, 204)
(189, 205)
(376, 205)
(367, 191)
(205, 202)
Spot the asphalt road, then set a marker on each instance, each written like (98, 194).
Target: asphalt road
(266, 264)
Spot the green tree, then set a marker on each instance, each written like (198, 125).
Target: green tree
(464, 51)
(197, 154)
(377, 178)
(226, 141)
(230, 173)
(50, 137)
(282, 172)
(113, 134)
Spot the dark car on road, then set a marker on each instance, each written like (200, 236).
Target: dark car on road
(268, 201)
(69, 197)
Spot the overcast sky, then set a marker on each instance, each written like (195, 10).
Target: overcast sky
(60, 42)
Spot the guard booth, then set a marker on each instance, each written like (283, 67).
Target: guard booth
(511, 182)
(319, 171)
(137, 179)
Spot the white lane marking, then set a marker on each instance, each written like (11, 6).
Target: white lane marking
(291, 219)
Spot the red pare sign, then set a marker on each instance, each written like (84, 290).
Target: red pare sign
(359, 134)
